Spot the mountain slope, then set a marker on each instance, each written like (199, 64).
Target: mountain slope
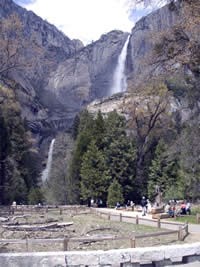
(60, 75)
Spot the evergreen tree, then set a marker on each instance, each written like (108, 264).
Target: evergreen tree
(165, 173)
(120, 154)
(174, 181)
(156, 171)
(99, 130)
(115, 126)
(120, 159)
(75, 127)
(115, 194)
(84, 138)
(35, 196)
(95, 179)
(15, 181)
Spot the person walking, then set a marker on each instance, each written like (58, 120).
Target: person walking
(144, 206)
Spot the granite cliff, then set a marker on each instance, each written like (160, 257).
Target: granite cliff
(163, 47)
(64, 75)
(164, 43)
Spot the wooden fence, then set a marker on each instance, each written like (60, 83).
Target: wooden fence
(134, 219)
(22, 209)
(181, 231)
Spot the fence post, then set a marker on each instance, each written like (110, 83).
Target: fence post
(180, 233)
(136, 219)
(22, 209)
(133, 243)
(26, 242)
(61, 211)
(158, 223)
(198, 218)
(120, 217)
(186, 228)
(65, 243)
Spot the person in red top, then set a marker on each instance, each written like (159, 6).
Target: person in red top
(183, 208)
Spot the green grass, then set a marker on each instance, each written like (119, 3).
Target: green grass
(184, 219)
(189, 218)
(195, 210)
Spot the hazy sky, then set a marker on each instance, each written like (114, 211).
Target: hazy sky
(86, 20)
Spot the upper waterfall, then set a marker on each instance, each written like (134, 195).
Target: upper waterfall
(45, 173)
(119, 79)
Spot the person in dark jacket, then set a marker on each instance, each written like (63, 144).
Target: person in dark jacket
(144, 206)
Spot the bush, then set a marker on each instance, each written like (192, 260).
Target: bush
(35, 196)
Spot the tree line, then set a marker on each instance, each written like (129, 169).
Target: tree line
(115, 158)
(19, 162)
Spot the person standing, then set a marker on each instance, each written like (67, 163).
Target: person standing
(144, 206)
(188, 208)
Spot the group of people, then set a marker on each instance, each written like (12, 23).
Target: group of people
(129, 203)
(175, 209)
(145, 204)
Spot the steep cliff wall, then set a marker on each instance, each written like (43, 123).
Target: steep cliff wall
(44, 33)
(44, 47)
(163, 43)
(63, 75)
(88, 74)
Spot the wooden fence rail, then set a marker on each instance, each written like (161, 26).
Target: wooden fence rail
(182, 232)
(136, 219)
(22, 209)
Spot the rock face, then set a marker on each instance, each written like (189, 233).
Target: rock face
(45, 34)
(143, 40)
(42, 111)
(88, 74)
(63, 76)
(162, 43)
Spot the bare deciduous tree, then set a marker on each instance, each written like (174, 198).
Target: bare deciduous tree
(15, 46)
(149, 117)
(11, 44)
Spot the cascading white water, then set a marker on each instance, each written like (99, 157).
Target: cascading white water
(45, 173)
(119, 78)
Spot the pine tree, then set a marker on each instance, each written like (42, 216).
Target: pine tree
(156, 172)
(120, 154)
(15, 173)
(75, 127)
(99, 130)
(165, 173)
(115, 194)
(94, 175)
(84, 138)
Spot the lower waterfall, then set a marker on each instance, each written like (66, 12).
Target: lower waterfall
(46, 172)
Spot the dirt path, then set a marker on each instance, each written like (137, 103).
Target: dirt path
(194, 229)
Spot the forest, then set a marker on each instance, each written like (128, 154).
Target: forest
(119, 159)
(114, 157)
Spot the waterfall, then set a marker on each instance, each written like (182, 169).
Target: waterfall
(119, 78)
(45, 173)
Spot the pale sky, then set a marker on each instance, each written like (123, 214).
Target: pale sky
(86, 20)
